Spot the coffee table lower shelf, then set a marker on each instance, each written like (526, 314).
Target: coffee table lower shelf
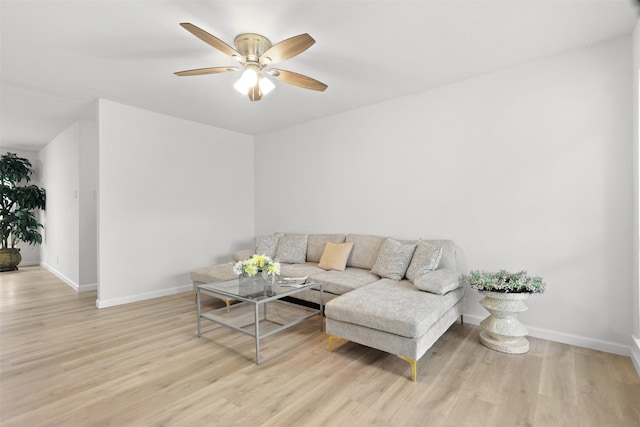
(260, 319)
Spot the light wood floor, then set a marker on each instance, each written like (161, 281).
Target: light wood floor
(64, 362)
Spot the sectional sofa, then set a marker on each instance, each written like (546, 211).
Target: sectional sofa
(398, 296)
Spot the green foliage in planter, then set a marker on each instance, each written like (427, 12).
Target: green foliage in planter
(19, 202)
(503, 281)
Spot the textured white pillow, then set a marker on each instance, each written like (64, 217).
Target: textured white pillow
(267, 245)
(426, 258)
(439, 282)
(292, 249)
(393, 259)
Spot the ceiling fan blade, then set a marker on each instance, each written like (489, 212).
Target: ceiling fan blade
(254, 93)
(203, 71)
(299, 80)
(287, 49)
(209, 39)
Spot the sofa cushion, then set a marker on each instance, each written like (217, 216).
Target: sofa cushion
(426, 258)
(267, 245)
(316, 244)
(335, 256)
(307, 269)
(214, 273)
(365, 250)
(394, 307)
(448, 259)
(340, 282)
(393, 259)
(292, 249)
(438, 282)
(243, 254)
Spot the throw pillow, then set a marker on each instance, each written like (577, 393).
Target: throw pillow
(292, 249)
(335, 256)
(425, 259)
(393, 259)
(439, 282)
(267, 245)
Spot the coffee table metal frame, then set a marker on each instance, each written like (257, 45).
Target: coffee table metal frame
(224, 288)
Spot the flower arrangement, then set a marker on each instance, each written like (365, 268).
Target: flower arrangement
(506, 282)
(255, 264)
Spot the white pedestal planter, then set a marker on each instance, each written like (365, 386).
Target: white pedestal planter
(502, 331)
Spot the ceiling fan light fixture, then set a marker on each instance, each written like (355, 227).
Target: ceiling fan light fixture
(248, 79)
(266, 85)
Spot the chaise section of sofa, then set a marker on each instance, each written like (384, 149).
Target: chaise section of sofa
(393, 317)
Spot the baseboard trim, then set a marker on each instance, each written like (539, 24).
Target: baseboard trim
(71, 283)
(635, 352)
(89, 287)
(141, 297)
(580, 341)
(60, 276)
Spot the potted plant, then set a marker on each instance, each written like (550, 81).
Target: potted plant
(504, 295)
(18, 204)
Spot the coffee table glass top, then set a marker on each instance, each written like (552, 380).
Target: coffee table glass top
(257, 290)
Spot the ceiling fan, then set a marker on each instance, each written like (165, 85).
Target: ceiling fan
(255, 53)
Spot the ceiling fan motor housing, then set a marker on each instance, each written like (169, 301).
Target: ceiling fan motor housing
(251, 45)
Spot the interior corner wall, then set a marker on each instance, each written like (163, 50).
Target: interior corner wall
(60, 178)
(174, 196)
(525, 168)
(88, 204)
(635, 339)
(30, 253)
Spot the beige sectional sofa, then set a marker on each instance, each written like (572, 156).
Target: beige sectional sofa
(398, 296)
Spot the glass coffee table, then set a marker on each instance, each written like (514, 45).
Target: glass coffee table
(261, 312)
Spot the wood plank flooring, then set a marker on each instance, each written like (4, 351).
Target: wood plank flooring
(65, 363)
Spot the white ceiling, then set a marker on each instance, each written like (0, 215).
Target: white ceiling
(57, 57)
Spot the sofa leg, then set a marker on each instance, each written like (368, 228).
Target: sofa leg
(228, 302)
(414, 367)
(462, 319)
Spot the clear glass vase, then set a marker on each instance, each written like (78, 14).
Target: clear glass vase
(258, 286)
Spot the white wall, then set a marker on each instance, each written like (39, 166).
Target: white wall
(69, 174)
(60, 177)
(174, 196)
(30, 253)
(526, 168)
(635, 348)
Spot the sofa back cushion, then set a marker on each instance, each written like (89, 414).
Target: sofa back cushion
(317, 242)
(292, 248)
(365, 250)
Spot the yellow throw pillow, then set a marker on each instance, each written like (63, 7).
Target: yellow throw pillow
(335, 256)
